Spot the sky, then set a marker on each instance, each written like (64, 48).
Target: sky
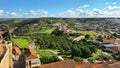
(59, 8)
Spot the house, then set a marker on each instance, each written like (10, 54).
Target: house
(60, 64)
(63, 27)
(18, 57)
(109, 45)
(111, 48)
(117, 41)
(16, 53)
(32, 46)
(114, 49)
(108, 41)
(32, 59)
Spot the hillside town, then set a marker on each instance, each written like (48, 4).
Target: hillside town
(102, 37)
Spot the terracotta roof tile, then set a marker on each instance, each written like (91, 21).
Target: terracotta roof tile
(108, 41)
(83, 65)
(61, 64)
(30, 54)
(103, 65)
(115, 65)
(17, 51)
(115, 48)
(98, 66)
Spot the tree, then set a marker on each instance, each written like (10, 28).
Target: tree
(100, 38)
(57, 32)
(87, 36)
(78, 59)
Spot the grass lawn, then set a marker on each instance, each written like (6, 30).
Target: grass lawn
(43, 53)
(50, 30)
(86, 32)
(23, 43)
(45, 30)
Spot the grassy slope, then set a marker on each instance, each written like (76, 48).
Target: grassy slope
(49, 31)
(44, 53)
(86, 32)
(46, 31)
(23, 43)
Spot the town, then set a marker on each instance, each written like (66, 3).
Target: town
(60, 43)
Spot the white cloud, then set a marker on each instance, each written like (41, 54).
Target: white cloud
(1, 12)
(7, 14)
(84, 6)
(69, 13)
(32, 12)
(36, 13)
(108, 11)
(107, 3)
(20, 9)
(111, 7)
(110, 3)
(114, 3)
(79, 11)
(12, 14)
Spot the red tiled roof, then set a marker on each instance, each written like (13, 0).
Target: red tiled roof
(60, 64)
(103, 65)
(117, 41)
(83, 65)
(115, 65)
(98, 66)
(115, 48)
(30, 54)
(108, 41)
(17, 51)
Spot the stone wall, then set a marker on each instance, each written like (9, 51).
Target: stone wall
(6, 62)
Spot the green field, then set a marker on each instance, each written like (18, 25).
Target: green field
(86, 32)
(23, 43)
(43, 53)
(49, 31)
(45, 30)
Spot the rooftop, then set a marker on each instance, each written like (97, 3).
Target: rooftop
(108, 41)
(102, 65)
(30, 54)
(60, 64)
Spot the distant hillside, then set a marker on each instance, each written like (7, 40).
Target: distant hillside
(21, 22)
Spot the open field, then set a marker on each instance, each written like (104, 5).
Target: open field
(45, 30)
(23, 43)
(86, 32)
(49, 31)
(43, 53)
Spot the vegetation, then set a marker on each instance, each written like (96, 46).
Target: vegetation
(47, 56)
(95, 55)
(86, 32)
(47, 36)
(66, 46)
(21, 42)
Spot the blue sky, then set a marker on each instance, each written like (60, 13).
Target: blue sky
(59, 8)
